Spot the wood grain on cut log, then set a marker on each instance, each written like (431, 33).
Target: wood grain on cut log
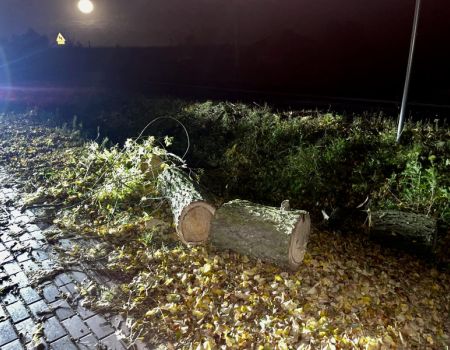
(266, 233)
(191, 210)
(415, 229)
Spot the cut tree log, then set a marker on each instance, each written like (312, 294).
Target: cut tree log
(266, 233)
(403, 227)
(191, 209)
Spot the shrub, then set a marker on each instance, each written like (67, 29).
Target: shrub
(318, 161)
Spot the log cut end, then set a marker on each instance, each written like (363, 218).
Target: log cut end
(299, 241)
(194, 222)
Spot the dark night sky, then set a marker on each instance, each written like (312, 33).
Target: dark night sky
(172, 22)
(339, 47)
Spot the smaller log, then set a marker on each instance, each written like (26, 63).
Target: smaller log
(191, 210)
(267, 233)
(403, 227)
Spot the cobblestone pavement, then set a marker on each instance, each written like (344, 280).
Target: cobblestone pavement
(32, 307)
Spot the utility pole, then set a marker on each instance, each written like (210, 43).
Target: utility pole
(401, 119)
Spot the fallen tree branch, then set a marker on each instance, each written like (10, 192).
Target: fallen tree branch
(266, 233)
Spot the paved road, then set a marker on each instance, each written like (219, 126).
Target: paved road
(51, 310)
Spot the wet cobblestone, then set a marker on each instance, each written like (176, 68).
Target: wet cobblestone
(26, 308)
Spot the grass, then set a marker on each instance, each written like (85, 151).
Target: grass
(317, 161)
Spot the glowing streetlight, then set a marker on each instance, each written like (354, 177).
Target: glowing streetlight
(86, 6)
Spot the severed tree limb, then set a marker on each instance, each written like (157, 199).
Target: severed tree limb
(403, 227)
(191, 209)
(266, 233)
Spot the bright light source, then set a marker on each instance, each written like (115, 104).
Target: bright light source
(86, 6)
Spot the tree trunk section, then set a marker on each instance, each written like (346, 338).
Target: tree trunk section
(191, 211)
(266, 233)
(402, 227)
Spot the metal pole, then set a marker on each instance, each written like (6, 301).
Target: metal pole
(401, 119)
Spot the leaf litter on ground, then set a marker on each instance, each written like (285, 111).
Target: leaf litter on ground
(349, 293)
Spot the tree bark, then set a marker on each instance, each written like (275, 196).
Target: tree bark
(266, 233)
(191, 210)
(414, 229)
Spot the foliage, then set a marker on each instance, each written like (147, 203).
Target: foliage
(318, 161)
(420, 189)
(109, 177)
(113, 186)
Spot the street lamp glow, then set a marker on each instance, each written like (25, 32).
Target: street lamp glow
(86, 6)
